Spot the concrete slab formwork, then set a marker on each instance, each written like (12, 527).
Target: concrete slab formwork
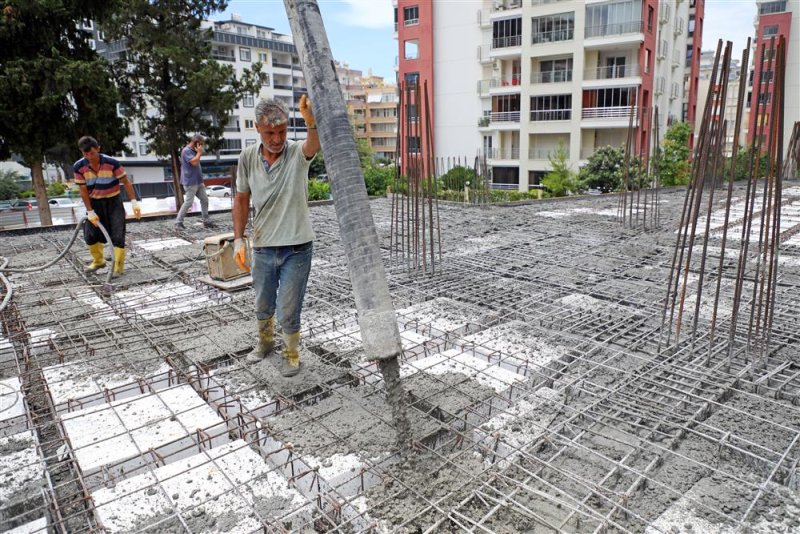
(540, 396)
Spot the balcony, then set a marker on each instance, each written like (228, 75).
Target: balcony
(498, 116)
(551, 115)
(502, 5)
(543, 153)
(411, 22)
(552, 76)
(615, 112)
(614, 72)
(506, 42)
(553, 36)
(283, 87)
(503, 153)
(512, 82)
(614, 29)
(278, 64)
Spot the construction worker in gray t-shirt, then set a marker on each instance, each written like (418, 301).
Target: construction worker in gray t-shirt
(274, 175)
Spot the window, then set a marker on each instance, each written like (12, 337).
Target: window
(262, 57)
(411, 15)
(249, 124)
(507, 33)
(266, 80)
(647, 61)
(262, 34)
(772, 7)
(101, 35)
(231, 146)
(413, 143)
(691, 25)
(244, 53)
(248, 101)
(92, 44)
(615, 67)
(556, 70)
(487, 146)
(143, 149)
(551, 108)
(412, 78)
(411, 49)
(650, 13)
(614, 18)
(553, 28)
(769, 31)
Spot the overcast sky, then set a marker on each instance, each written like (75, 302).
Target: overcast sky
(361, 31)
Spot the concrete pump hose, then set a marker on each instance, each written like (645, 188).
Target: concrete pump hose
(4, 269)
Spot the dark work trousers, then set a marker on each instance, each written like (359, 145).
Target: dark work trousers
(112, 216)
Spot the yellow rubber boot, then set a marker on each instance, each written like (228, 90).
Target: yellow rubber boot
(98, 261)
(266, 340)
(290, 365)
(119, 261)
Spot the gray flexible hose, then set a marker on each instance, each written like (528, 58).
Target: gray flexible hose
(4, 269)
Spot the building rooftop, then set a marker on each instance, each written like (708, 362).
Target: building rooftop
(542, 393)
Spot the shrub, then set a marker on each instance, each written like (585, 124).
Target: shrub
(377, 179)
(560, 181)
(318, 190)
(457, 177)
(27, 194)
(56, 189)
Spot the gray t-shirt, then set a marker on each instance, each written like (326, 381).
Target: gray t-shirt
(279, 195)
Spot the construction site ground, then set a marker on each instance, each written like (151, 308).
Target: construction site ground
(542, 391)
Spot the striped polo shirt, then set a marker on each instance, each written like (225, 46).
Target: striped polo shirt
(104, 183)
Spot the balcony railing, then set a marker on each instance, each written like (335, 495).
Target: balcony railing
(551, 76)
(551, 115)
(507, 42)
(614, 112)
(543, 153)
(284, 87)
(507, 4)
(492, 83)
(543, 2)
(281, 65)
(411, 22)
(612, 72)
(503, 153)
(223, 57)
(616, 28)
(554, 36)
(500, 116)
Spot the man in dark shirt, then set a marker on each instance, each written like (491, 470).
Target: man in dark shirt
(192, 180)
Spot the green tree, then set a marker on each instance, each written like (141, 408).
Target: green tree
(604, 170)
(743, 165)
(168, 79)
(377, 179)
(674, 159)
(53, 86)
(457, 177)
(9, 185)
(376, 316)
(318, 190)
(560, 181)
(317, 166)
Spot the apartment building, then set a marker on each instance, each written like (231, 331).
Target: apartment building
(239, 44)
(775, 18)
(372, 108)
(731, 101)
(514, 79)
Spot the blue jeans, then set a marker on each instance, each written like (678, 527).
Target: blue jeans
(280, 275)
(190, 191)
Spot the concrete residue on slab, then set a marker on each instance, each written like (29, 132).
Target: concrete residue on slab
(11, 400)
(161, 300)
(350, 421)
(588, 303)
(447, 395)
(80, 379)
(457, 361)
(442, 314)
(102, 435)
(157, 245)
(516, 339)
(225, 490)
(21, 480)
(215, 340)
(32, 527)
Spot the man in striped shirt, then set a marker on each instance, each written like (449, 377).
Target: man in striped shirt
(99, 177)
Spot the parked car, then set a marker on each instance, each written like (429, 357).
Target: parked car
(218, 191)
(25, 204)
(6, 205)
(62, 202)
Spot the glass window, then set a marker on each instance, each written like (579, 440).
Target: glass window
(614, 18)
(507, 32)
(248, 101)
(411, 15)
(551, 107)
(553, 28)
(772, 7)
(143, 149)
(412, 78)
(769, 31)
(244, 53)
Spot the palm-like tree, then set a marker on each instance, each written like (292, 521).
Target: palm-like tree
(376, 316)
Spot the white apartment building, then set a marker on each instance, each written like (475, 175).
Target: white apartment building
(239, 44)
(731, 100)
(514, 79)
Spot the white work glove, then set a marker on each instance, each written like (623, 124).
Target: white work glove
(240, 254)
(93, 218)
(137, 211)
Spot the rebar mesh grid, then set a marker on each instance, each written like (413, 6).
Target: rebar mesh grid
(538, 397)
